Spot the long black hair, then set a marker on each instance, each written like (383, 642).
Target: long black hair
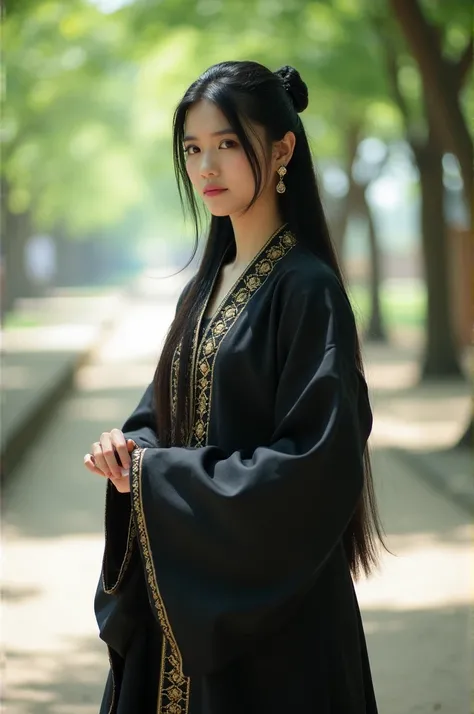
(249, 92)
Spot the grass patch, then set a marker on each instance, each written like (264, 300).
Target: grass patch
(403, 303)
(13, 320)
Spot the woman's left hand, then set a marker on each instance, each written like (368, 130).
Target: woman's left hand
(96, 464)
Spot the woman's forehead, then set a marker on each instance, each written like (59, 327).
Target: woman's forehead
(204, 117)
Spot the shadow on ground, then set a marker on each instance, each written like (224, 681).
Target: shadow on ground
(427, 678)
(69, 682)
(432, 679)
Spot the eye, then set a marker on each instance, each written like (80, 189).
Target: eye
(230, 144)
(190, 149)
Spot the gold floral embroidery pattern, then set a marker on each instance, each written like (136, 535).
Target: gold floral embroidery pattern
(174, 689)
(174, 391)
(128, 550)
(254, 277)
(175, 367)
(173, 694)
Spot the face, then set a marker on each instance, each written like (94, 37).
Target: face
(216, 162)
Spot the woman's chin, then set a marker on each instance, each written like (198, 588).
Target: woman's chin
(219, 213)
(226, 210)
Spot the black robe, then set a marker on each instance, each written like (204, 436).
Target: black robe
(225, 586)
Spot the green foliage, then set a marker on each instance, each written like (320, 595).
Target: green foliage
(67, 118)
(90, 96)
(453, 20)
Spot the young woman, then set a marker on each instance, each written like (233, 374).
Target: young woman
(247, 500)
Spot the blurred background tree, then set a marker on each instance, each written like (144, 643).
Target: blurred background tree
(434, 127)
(67, 168)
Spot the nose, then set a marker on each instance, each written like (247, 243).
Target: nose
(208, 166)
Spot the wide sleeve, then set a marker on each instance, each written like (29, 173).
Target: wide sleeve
(119, 527)
(231, 543)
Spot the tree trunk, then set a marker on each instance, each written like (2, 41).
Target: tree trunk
(375, 330)
(345, 205)
(441, 92)
(15, 231)
(441, 356)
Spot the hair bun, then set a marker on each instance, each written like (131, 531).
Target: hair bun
(295, 86)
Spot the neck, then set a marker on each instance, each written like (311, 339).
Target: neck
(253, 229)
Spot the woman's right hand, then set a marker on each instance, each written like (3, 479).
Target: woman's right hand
(103, 457)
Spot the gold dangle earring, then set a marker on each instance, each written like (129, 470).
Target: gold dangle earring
(281, 188)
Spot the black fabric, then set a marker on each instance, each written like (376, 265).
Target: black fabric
(244, 534)
(134, 685)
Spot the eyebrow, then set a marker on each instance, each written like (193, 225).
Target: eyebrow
(229, 130)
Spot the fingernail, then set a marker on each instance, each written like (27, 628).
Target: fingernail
(124, 472)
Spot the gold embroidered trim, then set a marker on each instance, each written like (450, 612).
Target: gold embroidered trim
(174, 690)
(173, 694)
(128, 550)
(174, 391)
(231, 307)
(175, 367)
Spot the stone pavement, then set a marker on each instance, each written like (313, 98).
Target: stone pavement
(39, 361)
(422, 422)
(416, 609)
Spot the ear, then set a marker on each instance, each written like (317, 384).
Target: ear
(282, 150)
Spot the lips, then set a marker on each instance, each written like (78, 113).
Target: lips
(213, 190)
